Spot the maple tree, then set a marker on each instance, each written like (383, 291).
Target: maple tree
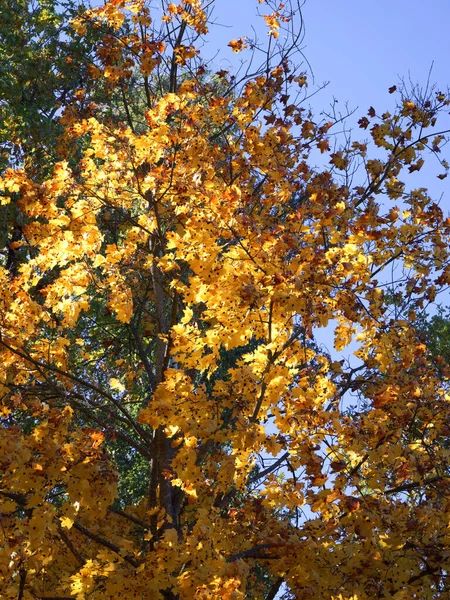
(170, 427)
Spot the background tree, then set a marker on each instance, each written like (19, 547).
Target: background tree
(157, 335)
(436, 331)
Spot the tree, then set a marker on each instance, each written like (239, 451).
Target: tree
(43, 67)
(436, 332)
(170, 429)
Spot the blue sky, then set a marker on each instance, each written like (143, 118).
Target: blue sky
(360, 47)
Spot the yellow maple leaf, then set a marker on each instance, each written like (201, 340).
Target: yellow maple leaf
(66, 522)
(115, 384)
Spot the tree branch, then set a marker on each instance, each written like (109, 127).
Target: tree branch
(23, 578)
(412, 486)
(253, 553)
(65, 538)
(131, 518)
(274, 589)
(96, 538)
(268, 470)
(143, 356)
(81, 382)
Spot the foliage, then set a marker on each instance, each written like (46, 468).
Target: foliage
(170, 428)
(43, 67)
(436, 332)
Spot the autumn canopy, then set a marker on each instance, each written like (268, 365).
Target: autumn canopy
(174, 241)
